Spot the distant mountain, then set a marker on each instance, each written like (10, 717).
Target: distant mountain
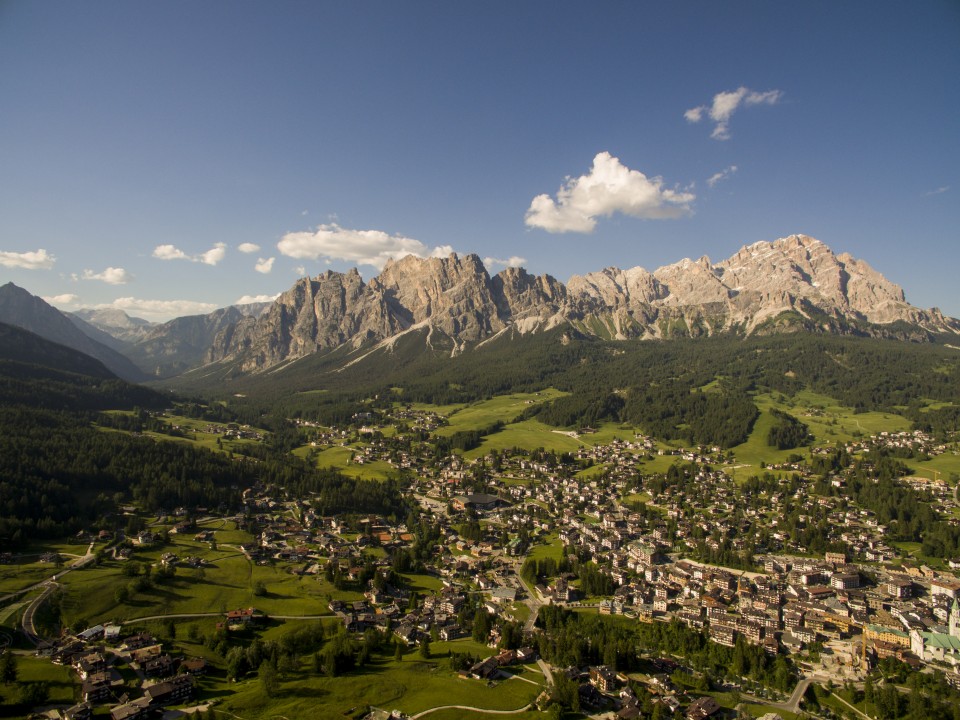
(795, 283)
(115, 323)
(41, 374)
(18, 307)
(182, 343)
(22, 346)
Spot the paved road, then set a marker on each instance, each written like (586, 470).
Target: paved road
(793, 704)
(27, 622)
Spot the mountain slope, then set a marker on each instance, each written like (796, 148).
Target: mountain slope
(789, 284)
(18, 307)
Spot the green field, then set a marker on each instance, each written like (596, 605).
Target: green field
(504, 408)
(226, 583)
(60, 682)
(411, 685)
(828, 422)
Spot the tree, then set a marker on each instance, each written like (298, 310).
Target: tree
(8, 668)
(425, 649)
(34, 693)
(398, 652)
(259, 589)
(269, 677)
(121, 594)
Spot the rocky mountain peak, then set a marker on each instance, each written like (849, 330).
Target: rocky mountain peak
(457, 297)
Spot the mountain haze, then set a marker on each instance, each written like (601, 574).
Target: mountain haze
(21, 309)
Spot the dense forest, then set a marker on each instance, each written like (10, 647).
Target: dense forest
(63, 468)
(697, 391)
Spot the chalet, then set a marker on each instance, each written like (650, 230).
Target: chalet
(96, 688)
(604, 679)
(242, 616)
(80, 711)
(138, 709)
(702, 708)
(170, 692)
(160, 666)
(193, 666)
(485, 669)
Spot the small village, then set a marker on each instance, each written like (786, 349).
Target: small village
(657, 548)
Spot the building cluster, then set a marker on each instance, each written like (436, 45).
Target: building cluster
(97, 655)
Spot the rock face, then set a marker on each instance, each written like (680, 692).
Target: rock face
(760, 282)
(457, 297)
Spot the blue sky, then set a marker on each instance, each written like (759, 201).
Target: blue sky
(169, 158)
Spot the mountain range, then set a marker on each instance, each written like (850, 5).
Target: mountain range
(794, 283)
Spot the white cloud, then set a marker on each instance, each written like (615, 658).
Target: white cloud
(248, 247)
(940, 190)
(300, 270)
(250, 299)
(364, 247)
(36, 260)
(169, 252)
(264, 265)
(722, 175)
(514, 261)
(726, 103)
(65, 299)
(610, 187)
(111, 276)
(158, 309)
(214, 255)
(210, 257)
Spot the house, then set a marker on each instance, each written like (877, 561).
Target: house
(485, 669)
(702, 708)
(138, 709)
(604, 679)
(170, 692)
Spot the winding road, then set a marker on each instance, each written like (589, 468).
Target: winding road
(27, 621)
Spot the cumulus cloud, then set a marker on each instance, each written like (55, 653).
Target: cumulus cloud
(169, 252)
(514, 261)
(214, 255)
(250, 299)
(264, 265)
(36, 260)
(111, 276)
(722, 175)
(610, 187)
(725, 104)
(211, 257)
(248, 247)
(158, 309)
(65, 299)
(363, 247)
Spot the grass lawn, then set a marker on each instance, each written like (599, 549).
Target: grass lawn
(529, 434)
(225, 584)
(61, 681)
(553, 549)
(761, 710)
(828, 421)
(504, 408)
(411, 685)
(947, 465)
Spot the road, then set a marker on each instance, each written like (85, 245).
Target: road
(27, 622)
(476, 709)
